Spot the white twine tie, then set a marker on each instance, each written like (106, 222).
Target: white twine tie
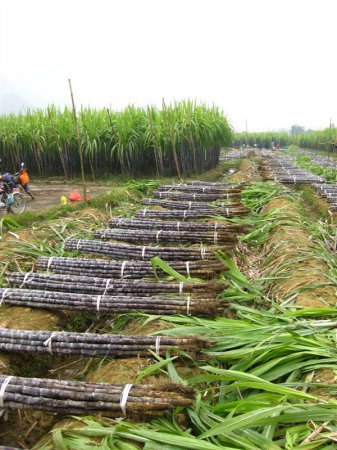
(78, 244)
(159, 194)
(124, 397)
(98, 302)
(188, 306)
(178, 226)
(5, 294)
(119, 222)
(203, 190)
(227, 212)
(106, 286)
(185, 214)
(189, 205)
(215, 237)
(144, 212)
(25, 279)
(181, 287)
(157, 235)
(48, 342)
(158, 344)
(50, 260)
(143, 252)
(203, 252)
(122, 268)
(188, 268)
(2, 395)
(215, 226)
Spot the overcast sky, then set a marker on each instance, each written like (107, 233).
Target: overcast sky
(270, 62)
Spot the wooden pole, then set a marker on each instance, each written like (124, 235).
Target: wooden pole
(172, 139)
(79, 147)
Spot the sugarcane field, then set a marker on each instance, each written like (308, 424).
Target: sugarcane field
(168, 225)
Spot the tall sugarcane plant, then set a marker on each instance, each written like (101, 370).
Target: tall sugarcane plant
(182, 138)
(316, 139)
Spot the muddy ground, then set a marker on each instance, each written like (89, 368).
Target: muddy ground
(49, 195)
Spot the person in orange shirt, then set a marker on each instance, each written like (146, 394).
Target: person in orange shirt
(24, 180)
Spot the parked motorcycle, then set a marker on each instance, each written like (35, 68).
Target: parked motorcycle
(11, 198)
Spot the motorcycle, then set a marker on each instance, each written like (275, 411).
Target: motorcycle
(11, 198)
(11, 190)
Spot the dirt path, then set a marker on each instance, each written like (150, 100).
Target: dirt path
(49, 195)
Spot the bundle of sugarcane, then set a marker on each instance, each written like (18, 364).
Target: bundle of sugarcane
(209, 183)
(200, 189)
(88, 345)
(149, 224)
(204, 307)
(128, 251)
(103, 286)
(199, 206)
(190, 196)
(126, 269)
(76, 397)
(167, 237)
(191, 214)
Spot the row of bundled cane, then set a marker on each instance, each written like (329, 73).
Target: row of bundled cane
(197, 196)
(208, 183)
(283, 169)
(118, 285)
(141, 252)
(126, 269)
(103, 286)
(190, 214)
(156, 305)
(329, 193)
(174, 225)
(201, 189)
(78, 398)
(213, 209)
(89, 345)
(167, 236)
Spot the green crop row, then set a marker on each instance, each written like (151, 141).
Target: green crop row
(183, 138)
(316, 140)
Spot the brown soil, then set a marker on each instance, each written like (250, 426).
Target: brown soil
(120, 370)
(49, 195)
(247, 173)
(23, 318)
(23, 428)
(290, 242)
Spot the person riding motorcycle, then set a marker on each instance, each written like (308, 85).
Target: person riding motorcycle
(20, 177)
(24, 180)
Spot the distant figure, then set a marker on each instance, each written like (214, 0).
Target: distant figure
(24, 180)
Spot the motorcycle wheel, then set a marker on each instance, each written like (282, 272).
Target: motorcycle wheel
(19, 205)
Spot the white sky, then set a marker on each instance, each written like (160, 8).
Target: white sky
(272, 62)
